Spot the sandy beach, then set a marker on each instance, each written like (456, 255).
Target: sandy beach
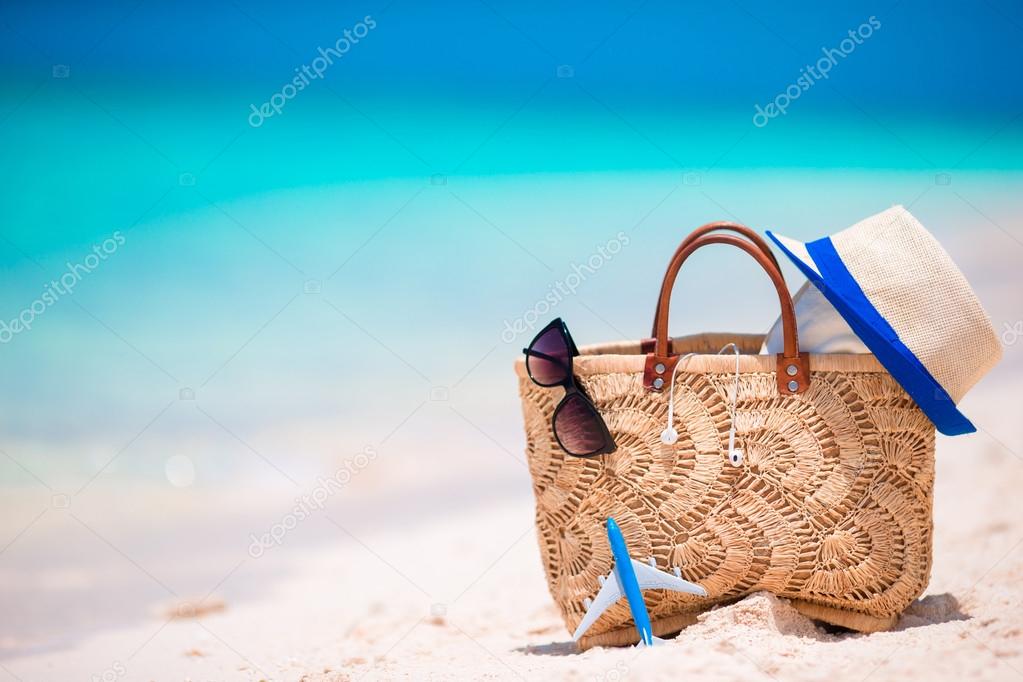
(461, 595)
(266, 268)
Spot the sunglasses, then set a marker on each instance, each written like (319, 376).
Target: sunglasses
(578, 427)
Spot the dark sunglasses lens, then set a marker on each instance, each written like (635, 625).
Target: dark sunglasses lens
(554, 371)
(578, 427)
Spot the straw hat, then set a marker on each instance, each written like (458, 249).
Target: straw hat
(905, 298)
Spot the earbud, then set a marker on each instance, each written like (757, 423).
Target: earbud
(735, 455)
(669, 436)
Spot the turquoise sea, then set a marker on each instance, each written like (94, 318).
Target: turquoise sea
(318, 275)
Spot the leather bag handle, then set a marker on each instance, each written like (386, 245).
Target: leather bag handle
(746, 232)
(793, 367)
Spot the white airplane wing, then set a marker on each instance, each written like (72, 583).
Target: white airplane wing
(608, 596)
(650, 578)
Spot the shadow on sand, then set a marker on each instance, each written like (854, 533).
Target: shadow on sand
(933, 609)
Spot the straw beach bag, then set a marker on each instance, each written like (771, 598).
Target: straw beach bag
(830, 506)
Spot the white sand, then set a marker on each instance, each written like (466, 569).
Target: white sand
(463, 597)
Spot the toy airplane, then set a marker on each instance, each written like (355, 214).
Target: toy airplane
(627, 579)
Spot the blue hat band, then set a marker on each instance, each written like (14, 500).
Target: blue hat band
(844, 292)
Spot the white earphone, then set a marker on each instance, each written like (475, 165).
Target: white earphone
(669, 436)
(735, 456)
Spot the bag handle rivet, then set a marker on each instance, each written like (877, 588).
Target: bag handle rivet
(658, 382)
(659, 368)
(793, 386)
(791, 370)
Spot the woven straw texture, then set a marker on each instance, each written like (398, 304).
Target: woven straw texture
(831, 506)
(913, 283)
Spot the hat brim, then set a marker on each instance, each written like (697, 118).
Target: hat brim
(822, 265)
